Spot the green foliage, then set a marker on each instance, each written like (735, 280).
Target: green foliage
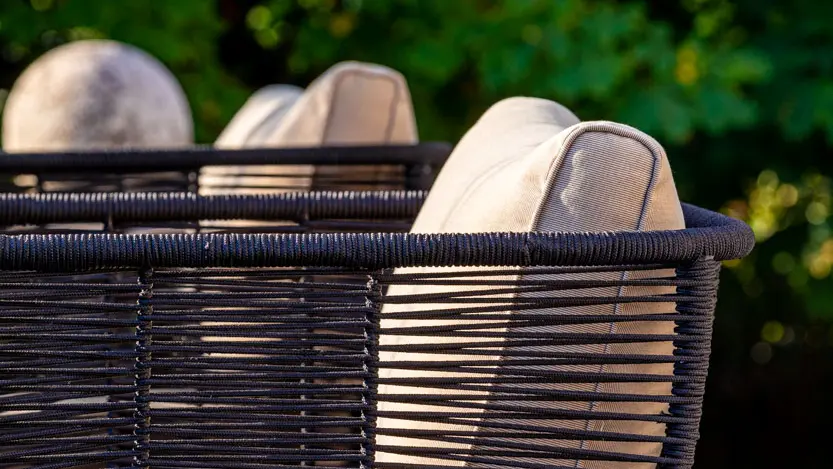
(607, 57)
(740, 92)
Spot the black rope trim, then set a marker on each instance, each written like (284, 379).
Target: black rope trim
(30, 209)
(155, 160)
(710, 235)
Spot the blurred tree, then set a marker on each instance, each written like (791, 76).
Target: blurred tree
(601, 58)
(739, 91)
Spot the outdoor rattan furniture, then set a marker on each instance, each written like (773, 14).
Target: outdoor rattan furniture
(258, 346)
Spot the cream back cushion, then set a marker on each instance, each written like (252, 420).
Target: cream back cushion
(260, 117)
(352, 103)
(529, 165)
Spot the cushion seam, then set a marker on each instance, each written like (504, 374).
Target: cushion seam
(550, 181)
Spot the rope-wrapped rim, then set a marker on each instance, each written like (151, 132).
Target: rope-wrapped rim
(182, 159)
(709, 235)
(30, 209)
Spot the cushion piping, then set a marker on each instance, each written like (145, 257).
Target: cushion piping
(656, 153)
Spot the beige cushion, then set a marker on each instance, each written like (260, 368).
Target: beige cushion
(529, 165)
(351, 104)
(96, 94)
(260, 117)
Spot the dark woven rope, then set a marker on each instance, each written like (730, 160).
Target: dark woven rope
(130, 160)
(246, 367)
(181, 206)
(260, 410)
(290, 374)
(709, 235)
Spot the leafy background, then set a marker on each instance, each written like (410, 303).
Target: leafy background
(739, 91)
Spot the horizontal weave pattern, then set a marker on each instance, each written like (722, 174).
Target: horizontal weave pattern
(255, 368)
(95, 180)
(194, 349)
(217, 368)
(495, 361)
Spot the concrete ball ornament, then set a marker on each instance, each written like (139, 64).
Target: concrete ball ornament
(95, 95)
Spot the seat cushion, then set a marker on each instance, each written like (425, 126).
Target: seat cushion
(530, 165)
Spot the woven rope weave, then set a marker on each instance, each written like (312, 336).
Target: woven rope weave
(262, 350)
